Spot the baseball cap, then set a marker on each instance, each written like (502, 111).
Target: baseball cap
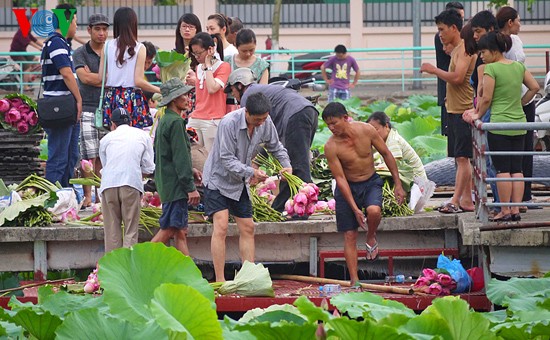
(242, 75)
(98, 19)
(120, 116)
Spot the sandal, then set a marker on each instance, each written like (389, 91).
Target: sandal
(371, 250)
(450, 208)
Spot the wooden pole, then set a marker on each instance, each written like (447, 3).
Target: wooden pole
(30, 285)
(378, 288)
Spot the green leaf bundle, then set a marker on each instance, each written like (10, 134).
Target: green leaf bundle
(251, 280)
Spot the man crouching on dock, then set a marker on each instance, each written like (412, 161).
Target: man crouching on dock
(349, 155)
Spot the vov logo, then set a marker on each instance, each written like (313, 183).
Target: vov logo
(41, 22)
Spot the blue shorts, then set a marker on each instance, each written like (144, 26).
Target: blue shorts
(333, 93)
(214, 201)
(365, 194)
(174, 214)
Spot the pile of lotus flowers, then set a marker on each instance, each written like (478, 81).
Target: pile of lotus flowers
(92, 283)
(18, 114)
(150, 199)
(435, 282)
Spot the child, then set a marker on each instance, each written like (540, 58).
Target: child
(341, 65)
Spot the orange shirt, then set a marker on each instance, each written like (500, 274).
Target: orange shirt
(211, 105)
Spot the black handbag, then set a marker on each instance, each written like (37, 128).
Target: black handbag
(55, 111)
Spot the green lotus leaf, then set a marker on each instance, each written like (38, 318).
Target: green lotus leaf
(461, 321)
(41, 325)
(427, 326)
(360, 304)
(278, 331)
(253, 314)
(129, 277)
(181, 309)
(63, 303)
(344, 328)
(10, 330)
(422, 101)
(517, 287)
(230, 333)
(312, 312)
(92, 324)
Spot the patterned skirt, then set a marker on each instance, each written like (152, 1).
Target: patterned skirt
(131, 99)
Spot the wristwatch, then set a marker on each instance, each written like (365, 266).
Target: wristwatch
(208, 69)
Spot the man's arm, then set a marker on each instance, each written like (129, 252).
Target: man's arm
(341, 181)
(148, 156)
(70, 81)
(381, 147)
(457, 76)
(355, 67)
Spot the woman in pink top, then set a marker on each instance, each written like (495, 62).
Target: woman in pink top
(209, 81)
(125, 80)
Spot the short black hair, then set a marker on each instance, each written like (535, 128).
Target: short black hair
(258, 104)
(484, 19)
(334, 109)
(381, 118)
(235, 25)
(340, 49)
(454, 5)
(449, 17)
(150, 49)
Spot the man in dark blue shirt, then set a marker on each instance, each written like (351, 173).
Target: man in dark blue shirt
(59, 79)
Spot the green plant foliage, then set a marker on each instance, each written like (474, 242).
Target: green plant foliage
(180, 309)
(92, 324)
(462, 323)
(344, 328)
(10, 330)
(418, 126)
(41, 325)
(498, 291)
(62, 303)
(279, 330)
(312, 312)
(430, 148)
(229, 332)
(130, 277)
(366, 304)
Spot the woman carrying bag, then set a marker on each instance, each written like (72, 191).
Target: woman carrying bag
(125, 80)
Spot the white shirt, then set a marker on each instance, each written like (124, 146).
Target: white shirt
(126, 153)
(120, 75)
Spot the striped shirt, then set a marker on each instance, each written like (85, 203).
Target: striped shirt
(55, 56)
(401, 150)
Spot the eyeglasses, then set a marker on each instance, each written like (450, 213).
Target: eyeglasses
(188, 27)
(198, 54)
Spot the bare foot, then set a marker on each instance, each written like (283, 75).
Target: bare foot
(87, 202)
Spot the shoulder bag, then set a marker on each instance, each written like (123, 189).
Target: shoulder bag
(55, 111)
(98, 117)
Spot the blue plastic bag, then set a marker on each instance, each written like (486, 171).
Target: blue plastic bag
(457, 272)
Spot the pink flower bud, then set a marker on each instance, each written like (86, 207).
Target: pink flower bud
(430, 274)
(16, 102)
(310, 209)
(300, 198)
(13, 116)
(4, 105)
(300, 210)
(445, 291)
(435, 289)
(89, 288)
(315, 187)
(332, 204)
(321, 205)
(444, 279)
(22, 127)
(289, 207)
(33, 118)
(86, 166)
(320, 333)
(421, 282)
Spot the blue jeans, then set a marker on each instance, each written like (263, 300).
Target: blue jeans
(63, 153)
(334, 93)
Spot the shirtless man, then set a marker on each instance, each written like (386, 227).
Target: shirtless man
(349, 155)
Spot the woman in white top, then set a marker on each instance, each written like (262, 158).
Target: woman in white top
(508, 22)
(217, 24)
(125, 80)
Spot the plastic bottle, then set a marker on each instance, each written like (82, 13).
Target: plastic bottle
(329, 290)
(398, 279)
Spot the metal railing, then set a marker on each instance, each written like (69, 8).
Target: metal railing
(480, 171)
(164, 14)
(383, 65)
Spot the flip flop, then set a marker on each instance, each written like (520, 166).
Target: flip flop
(450, 208)
(371, 250)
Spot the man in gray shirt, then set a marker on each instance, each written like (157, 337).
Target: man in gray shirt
(228, 172)
(86, 63)
(294, 117)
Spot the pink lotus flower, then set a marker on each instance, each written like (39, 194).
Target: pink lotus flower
(155, 201)
(4, 105)
(69, 216)
(13, 116)
(421, 282)
(444, 279)
(332, 204)
(33, 118)
(24, 109)
(429, 274)
(86, 166)
(310, 209)
(300, 199)
(156, 69)
(16, 102)
(320, 333)
(321, 206)
(315, 187)
(445, 291)
(300, 210)
(22, 127)
(435, 289)
(270, 184)
(289, 207)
